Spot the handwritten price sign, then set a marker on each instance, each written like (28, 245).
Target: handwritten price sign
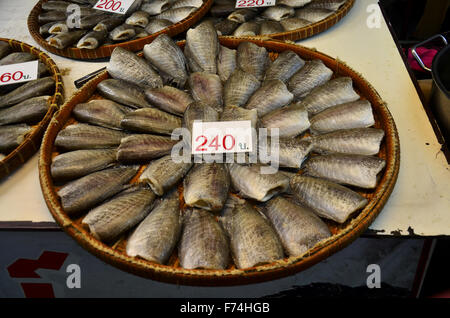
(254, 3)
(221, 137)
(17, 73)
(114, 6)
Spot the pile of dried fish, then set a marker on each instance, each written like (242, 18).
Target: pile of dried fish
(286, 15)
(215, 214)
(76, 23)
(22, 105)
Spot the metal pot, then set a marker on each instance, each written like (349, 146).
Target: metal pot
(440, 90)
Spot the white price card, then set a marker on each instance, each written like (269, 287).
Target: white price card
(114, 6)
(18, 73)
(221, 137)
(254, 3)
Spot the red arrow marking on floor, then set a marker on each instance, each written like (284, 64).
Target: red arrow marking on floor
(25, 268)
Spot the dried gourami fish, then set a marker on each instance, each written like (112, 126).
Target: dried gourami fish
(176, 15)
(203, 242)
(198, 111)
(44, 29)
(203, 46)
(298, 227)
(250, 28)
(226, 27)
(84, 193)
(356, 170)
(336, 91)
(293, 3)
(78, 163)
(29, 111)
(270, 27)
(278, 13)
(169, 99)
(150, 120)
(155, 7)
(84, 136)
(326, 198)
(108, 24)
(284, 67)
(251, 183)
(144, 147)
(59, 27)
(127, 66)
(34, 88)
(272, 95)
(242, 15)
(253, 240)
(55, 5)
(187, 3)
(101, 112)
(222, 10)
(253, 59)
(92, 40)
(314, 73)
(326, 4)
(63, 40)
(51, 16)
(164, 173)
(291, 152)
(157, 235)
(206, 186)
(122, 32)
(11, 136)
(236, 113)
(226, 63)
(313, 14)
(156, 25)
(358, 141)
(356, 114)
(207, 88)
(291, 24)
(239, 87)
(17, 57)
(123, 93)
(291, 120)
(120, 213)
(138, 18)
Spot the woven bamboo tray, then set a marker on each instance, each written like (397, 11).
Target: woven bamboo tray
(343, 234)
(33, 140)
(106, 50)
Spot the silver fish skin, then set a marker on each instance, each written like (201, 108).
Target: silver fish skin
(313, 74)
(144, 147)
(169, 99)
(250, 28)
(278, 12)
(127, 66)
(355, 170)
(270, 27)
(273, 94)
(101, 112)
(284, 67)
(326, 4)
(92, 40)
(253, 240)
(155, 7)
(84, 136)
(207, 88)
(291, 120)
(11, 136)
(357, 141)
(150, 120)
(78, 163)
(203, 242)
(206, 186)
(164, 54)
(236, 113)
(44, 29)
(51, 16)
(294, 23)
(222, 10)
(17, 57)
(123, 92)
(242, 15)
(198, 111)
(29, 111)
(140, 32)
(187, 3)
(203, 45)
(253, 59)
(336, 91)
(356, 114)
(86, 23)
(313, 14)
(226, 63)
(239, 87)
(138, 18)
(66, 39)
(108, 24)
(298, 227)
(84, 193)
(176, 15)
(120, 213)
(59, 27)
(250, 183)
(226, 27)
(162, 174)
(34, 88)
(156, 25)
(327, 199)
(122, 32)
(156, 236)
(293, 3)
(55, 6)
(292, 151)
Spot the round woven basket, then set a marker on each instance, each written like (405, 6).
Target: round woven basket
(106, 50)
(343, 234)
(33, 140)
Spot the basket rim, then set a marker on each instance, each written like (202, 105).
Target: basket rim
(277, 269)
(32, 141)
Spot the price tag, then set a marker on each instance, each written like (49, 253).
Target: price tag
(254, 3)
(18, 73)
(114, 6)
(221, 137)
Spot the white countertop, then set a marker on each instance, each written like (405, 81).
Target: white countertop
(421, 198)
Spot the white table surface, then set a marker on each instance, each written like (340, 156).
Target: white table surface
(421, 198)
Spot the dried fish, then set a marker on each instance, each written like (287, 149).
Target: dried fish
(294, 23)
(156, 25)
(34, 88)
(63, 40)
(123, 93)
(284, 67)
(176, 15)
(138, 18)
(278, 12)
(29, 111)
(203, 46)
(253, 59)
(291, 120)
(144, 147)
(239, 87)
(169, 99)
(150, 120)
(226, 63)
(101, 112)
(242, 15)
(272, 95)
(313, 74)
(250, 28)
(11, 136)
(207, 88)
(313, 14)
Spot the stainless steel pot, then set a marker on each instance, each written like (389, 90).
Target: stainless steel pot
(440, 91)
